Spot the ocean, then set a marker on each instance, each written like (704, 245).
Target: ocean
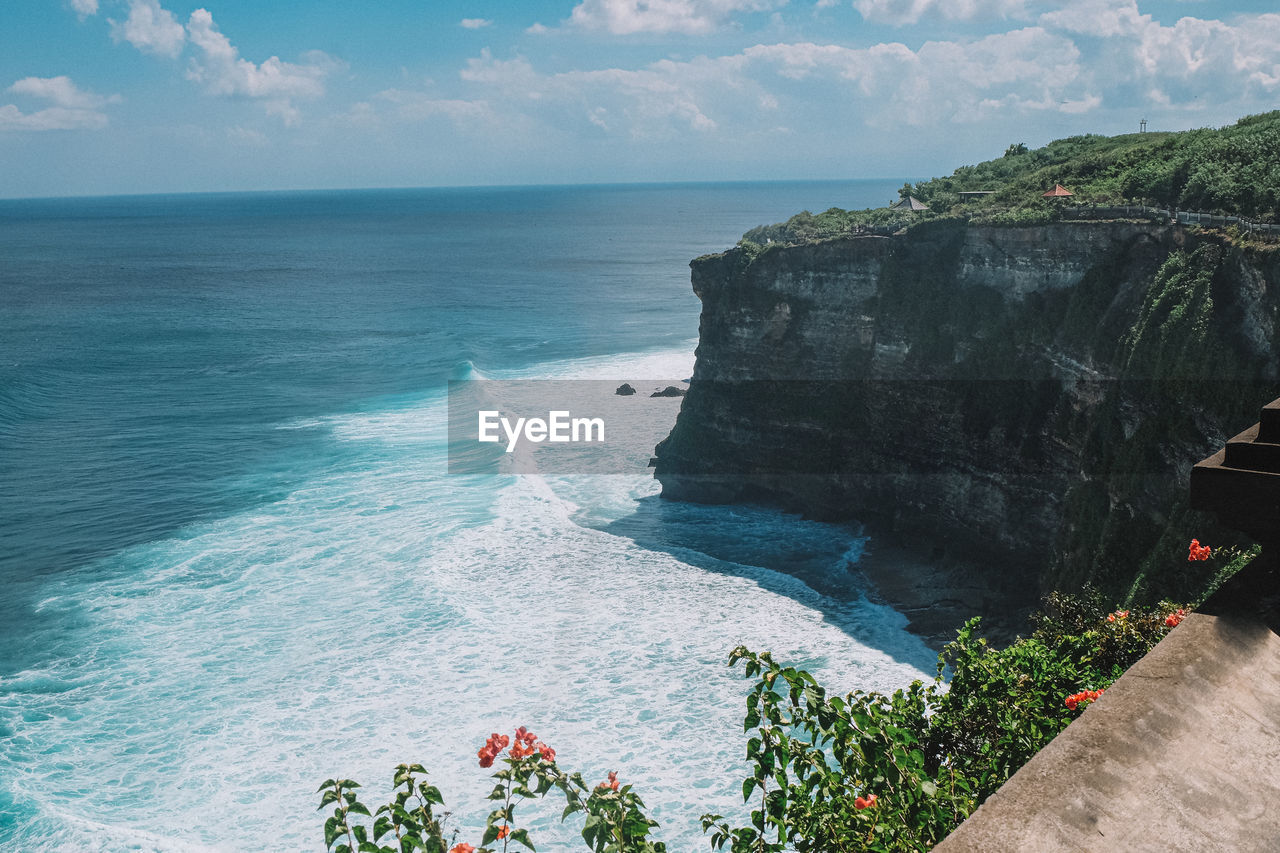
(234, 561)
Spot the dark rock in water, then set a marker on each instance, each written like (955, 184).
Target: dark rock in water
(625, 390)
(669, 391)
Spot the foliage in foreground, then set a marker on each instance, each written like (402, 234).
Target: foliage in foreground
(615, 819)
(830, 773)
(866, 771)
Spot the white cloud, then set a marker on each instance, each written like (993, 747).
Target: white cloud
(1040, 76)
(1104, 18)
(85, 8)
(150, 29)
(887, 85)
(418, 106)
(62, 91)
(625, 17)
(537, 28)
(659, 101)
(1137, 61)
(900, 12)
(222, 71)
(1201, 60)
(475, 23)
(944, 81)
(73, 108)
(53, 118)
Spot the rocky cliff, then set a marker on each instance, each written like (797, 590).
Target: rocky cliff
(1025, 399)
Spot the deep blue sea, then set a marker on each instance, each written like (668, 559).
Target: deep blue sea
(234, 564)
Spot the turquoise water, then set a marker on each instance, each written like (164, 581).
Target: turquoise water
(235, 565)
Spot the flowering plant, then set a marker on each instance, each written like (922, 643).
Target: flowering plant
(615, 819)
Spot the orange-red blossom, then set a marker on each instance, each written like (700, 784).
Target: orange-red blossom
(1083, 697)
(526, 744)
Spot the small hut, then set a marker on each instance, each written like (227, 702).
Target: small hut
(1058, 191)
(909, 203)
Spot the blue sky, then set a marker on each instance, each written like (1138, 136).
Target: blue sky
(133, 96)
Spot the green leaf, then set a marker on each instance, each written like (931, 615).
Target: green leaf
(748, 786)
(522, 835)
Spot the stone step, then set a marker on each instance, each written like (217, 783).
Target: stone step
(1271, 422)
(1217, 488)
(1248, 452)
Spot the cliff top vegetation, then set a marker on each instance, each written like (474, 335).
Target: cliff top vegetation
(1233, 170)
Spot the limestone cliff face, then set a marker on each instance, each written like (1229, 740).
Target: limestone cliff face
(1031, 398)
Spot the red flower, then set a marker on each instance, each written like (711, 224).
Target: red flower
(462, 848)
(1083, 696)
(1174, 618)
(504, 831)
(492, 748)
(547, 753)
(523, 734)
(612, 783)
(1197, 551)
(864, 802)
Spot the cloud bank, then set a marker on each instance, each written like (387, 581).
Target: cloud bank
(72, 108)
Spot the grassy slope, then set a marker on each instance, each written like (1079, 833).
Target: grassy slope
(1233, 170)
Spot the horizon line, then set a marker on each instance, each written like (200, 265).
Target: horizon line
(318, 190)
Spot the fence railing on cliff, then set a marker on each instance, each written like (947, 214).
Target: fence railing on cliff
(1182, 217)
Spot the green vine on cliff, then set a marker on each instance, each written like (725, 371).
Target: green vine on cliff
(1172, 334)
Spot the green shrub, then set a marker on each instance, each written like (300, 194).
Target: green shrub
(1230, 170)
(869, 771)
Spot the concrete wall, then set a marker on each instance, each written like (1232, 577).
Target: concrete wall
(1181, 753)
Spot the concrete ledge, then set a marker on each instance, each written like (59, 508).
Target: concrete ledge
(1181, 753)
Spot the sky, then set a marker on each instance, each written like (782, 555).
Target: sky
(146, 96)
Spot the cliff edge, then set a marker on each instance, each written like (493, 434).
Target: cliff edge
(1022, 401)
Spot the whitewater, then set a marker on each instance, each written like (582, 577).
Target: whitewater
(191, 691)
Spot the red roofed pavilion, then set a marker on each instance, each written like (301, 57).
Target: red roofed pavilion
(1058, 191)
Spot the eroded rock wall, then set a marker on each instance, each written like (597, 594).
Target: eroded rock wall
(1027, 398)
